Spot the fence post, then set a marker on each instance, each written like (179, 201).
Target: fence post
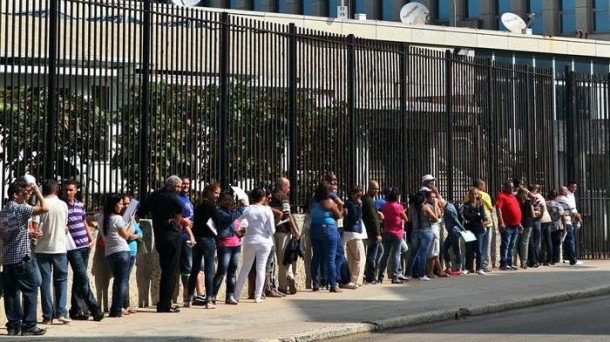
(570, 124)
(292, 111)
(52, 93)
(351, 97)
(145, 102)
(404, 60)
(491, 154)
(530, 105)
(224, 100)
(449, 112)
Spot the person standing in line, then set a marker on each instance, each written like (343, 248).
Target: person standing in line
(571, 215)
(372, 222)
(354, 235)
(115, 235)
(186, 252)
(166, 211)
(52, 256)
(283, 234)
(434, 264)
(525, 232)
(509, 223)
(394, 216)
(257, 242)
(20, 269)
(475, 219)
(204, 230)
(132, 241)
(422, 215)
(577, 218)
(557, 227)
(453, 226)
(541, 219)
(488, 237)
(80, 241)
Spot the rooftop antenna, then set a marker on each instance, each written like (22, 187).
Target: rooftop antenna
(414, 13)
(531, 17)
(186, 3)
(514, 23)
(342, 11)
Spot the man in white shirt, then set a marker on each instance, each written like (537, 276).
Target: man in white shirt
(570, 215)
(52, 256)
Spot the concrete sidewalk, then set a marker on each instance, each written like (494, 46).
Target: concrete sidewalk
(309, 316)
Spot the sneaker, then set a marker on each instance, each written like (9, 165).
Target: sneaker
(79, 317)
(396, 281)
(481, 272)
(503, 268)
(401, 277)
(64, 319)
(424, 278)
(335, 289)
(13, 332)
(578, 263)
(350, 286)
(513, 268)
(258, 300)
(210, 305)
(464, 272)
(98, 317)
(231, 301)
(36, 331)
(199, 300)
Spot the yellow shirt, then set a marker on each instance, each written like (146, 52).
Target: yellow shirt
(487, 206)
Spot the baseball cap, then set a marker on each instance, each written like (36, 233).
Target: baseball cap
(427, 178)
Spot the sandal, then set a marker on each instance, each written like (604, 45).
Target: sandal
(125, 312)
(132, 311)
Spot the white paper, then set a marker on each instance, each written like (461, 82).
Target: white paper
(468, 236)
(70, 245)
(282, 222)
(241, 194)
(563, 236)
(212, 226)
(133, 205)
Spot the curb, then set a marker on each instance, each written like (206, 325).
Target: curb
(442, 315)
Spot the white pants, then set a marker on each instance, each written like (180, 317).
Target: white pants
(435, 248)
(249, 252)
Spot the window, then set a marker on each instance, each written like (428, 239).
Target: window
(601, 16)
(502, 6)
(535, 6)
(443, 9)
(473, 9)
(567, 17)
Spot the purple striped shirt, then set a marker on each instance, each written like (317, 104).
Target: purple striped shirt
(76, 224)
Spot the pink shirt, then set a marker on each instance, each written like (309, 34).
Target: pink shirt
(232, 241)
(392, 221)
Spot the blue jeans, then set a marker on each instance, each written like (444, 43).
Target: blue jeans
(486, 246)
(205, 248)
(474, 249)
(548, 241)
(324, 246)
(569, 244)
(421, 240)
(21, 277)
(507, 245)
(119, 265)
(533, 258)
(81, 291)
(452, 241)
(342, 275)
(186, 259)
(228, 259)
(374, 252)
(391, 245)
(132, 262)
(58, 265)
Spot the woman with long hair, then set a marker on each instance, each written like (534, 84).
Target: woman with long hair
(206, 221)
(527, 216)
(475, 220)
(257, 242)
(421, 215)
(115, 235)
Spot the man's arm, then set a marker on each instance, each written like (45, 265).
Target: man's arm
(42, 207)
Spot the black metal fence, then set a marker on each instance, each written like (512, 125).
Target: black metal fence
(122, 96)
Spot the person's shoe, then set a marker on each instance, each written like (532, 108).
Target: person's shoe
(98, 317)
(402, 277)
(513, 268)
(536, 265)
(170, 310)
(578, 263)
(231, 301)
(315, 289)
(187, 304)
(258, 300)
(350, 286)
(274, 294)
(292, 286)
(118, 315)
(503, 268)
(47, 321)
(396, 281)
(35, 331)
(210, 305)
(79, 317)
(481, 272)
(199, 300)
(335, 289)
(372, 282)
(64, 319)
(424, 278)
(464, 272)
(13, 332)
(487, 270)
(546, 264)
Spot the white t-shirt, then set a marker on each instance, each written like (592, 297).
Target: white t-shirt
(53, 226)
(261, 225)
(114, 242)
(568, 208)
(541, 203)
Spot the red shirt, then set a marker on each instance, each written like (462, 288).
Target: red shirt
(511, 212)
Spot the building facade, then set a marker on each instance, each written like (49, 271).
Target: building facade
(582, 18)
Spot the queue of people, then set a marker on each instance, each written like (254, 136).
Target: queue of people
(379, 235)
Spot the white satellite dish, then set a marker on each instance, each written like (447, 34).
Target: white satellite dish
(187, 3)
(414, 13)
(513, 22)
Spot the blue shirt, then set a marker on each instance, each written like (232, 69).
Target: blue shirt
(15, 233)
(451, 217)
(187, 212)
(133, 244)
(353, 219)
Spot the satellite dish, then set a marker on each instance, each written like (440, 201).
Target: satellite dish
(414, 13)
(187, 3)
(513, 22)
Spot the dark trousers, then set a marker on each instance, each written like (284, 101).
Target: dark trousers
(168, 248)
(204, 248)
(81, 291)
(24, 278)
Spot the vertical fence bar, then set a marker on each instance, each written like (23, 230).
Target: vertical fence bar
(223, 124)
(351, 113)
(449, 112)
(292, 111)
(404, 60)
(570, 116)
(52, 93)
(144, 105)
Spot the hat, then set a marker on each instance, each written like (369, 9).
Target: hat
(427, 178)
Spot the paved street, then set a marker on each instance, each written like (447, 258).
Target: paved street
(582, 320)
(309, 316)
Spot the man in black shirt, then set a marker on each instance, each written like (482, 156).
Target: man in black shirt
(372, 222)
(166, 210)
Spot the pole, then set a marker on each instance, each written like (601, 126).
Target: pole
(145, 102)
